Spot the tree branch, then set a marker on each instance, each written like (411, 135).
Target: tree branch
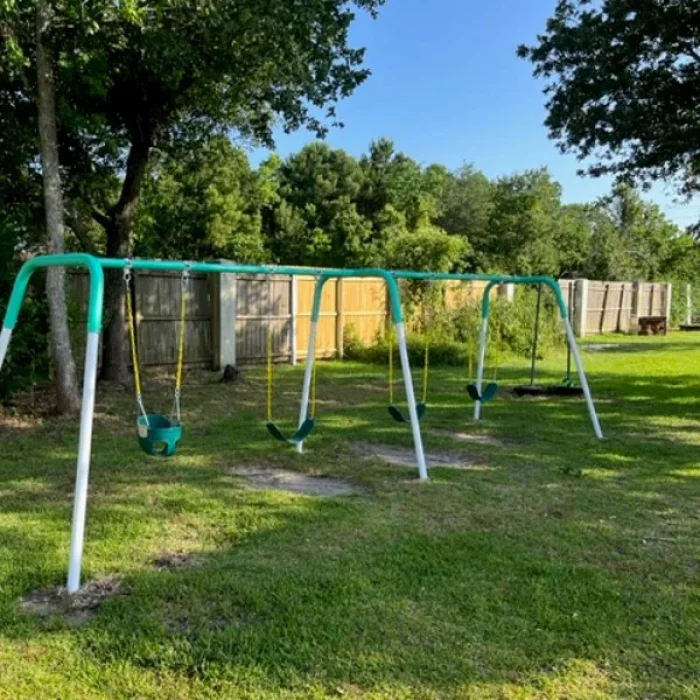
(79, 230)
(102, 219)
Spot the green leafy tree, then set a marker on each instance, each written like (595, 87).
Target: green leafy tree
(202, 203)
(134, 75)
(466, 206)
(393, 179)
(639, 241)
(572, 238)
(27, 32)
(429, 249)
(316, 221)
(622, 86)
(522, 227)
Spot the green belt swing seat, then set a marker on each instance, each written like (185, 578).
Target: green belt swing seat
(158, 434)
(488, 392)
(305, 429)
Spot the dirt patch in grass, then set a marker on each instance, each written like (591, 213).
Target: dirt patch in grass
(76, 609)
(369, 387)
(600, 347)
(176, 560)
(283, 480)
(402, 457)
(473, 438)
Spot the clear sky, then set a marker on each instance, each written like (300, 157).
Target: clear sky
(447, 87)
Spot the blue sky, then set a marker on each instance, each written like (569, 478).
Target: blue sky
(447, 87)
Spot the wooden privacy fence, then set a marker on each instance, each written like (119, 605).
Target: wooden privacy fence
(616, 307)
(229, 315)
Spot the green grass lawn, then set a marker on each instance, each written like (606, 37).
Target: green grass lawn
(555, 566)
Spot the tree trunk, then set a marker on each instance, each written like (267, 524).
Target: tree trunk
(62, 352)
(119, 230)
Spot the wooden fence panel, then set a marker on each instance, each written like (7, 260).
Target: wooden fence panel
(652, 299)
(610, 307)
(326, 335)
(263, 303)
(157, 301)
(568, 290)
(256, 303)
(365, 308)
(459, 293)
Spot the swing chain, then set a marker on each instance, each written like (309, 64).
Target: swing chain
(132, 338)
(184, 287)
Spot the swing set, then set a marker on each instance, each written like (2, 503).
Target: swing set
(160, 434)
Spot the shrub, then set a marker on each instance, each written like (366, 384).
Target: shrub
(453, 334)
(27, 360)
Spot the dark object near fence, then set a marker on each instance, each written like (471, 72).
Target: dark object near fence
(690, 327)
(653, 325)
(231, 374)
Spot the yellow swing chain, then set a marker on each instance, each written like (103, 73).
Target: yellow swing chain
(426, 359)
(424, 398)
(132, 341)
(184, 283)
(391, 366)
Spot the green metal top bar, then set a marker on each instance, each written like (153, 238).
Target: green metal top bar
(208, 267)
(95, 267)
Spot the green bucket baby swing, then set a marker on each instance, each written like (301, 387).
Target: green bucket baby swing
(158, 434)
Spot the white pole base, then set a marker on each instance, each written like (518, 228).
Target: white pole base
(83, 468)
(5, 335)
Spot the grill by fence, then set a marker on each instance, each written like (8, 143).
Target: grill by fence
(229, 316)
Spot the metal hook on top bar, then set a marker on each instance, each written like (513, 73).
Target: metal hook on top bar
(127, 270)
(186, 275)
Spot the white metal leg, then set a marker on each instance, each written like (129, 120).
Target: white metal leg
(483, 334)
(582, 378)
(5, 335)
(411, 399)
(83, 469)
(293, 313)
(308, 375)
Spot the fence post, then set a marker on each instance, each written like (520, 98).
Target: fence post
(581, 307)
(688, 303)
(293, 314)
(669, 302)
(506, 291)
(224, 289)
(339, 318)
(636, 306)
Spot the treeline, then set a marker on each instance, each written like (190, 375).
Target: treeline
(322, 206)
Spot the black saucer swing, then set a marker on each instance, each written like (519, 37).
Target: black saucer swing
(566, 387)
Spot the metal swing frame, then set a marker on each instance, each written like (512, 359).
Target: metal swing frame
(96, 267)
